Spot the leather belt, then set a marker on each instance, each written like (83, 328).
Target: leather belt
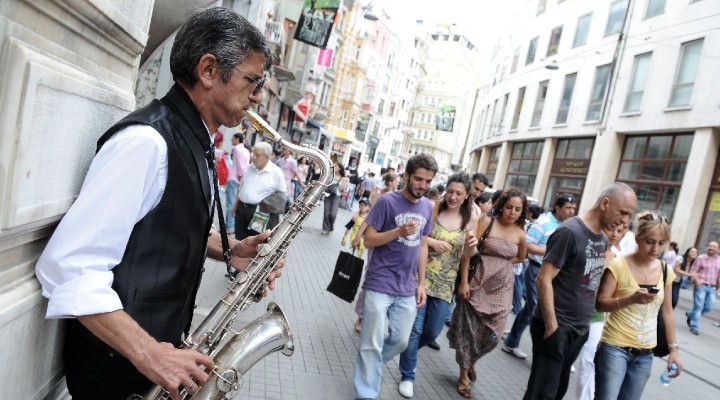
(707, 284)
(635, 351)
(246, 204)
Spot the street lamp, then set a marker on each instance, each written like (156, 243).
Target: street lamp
(552, 66)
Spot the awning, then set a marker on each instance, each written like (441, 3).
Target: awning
(340, 133)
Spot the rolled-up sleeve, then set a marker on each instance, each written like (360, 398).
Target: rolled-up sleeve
(125, 181)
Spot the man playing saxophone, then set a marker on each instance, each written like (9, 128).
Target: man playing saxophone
(125, 262)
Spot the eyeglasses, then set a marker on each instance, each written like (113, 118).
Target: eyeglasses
(258, 83)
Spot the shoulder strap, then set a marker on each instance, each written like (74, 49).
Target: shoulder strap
(483, 238)
(664, 274)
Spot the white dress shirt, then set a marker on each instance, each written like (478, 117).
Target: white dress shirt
(125, 181)
(258, 184)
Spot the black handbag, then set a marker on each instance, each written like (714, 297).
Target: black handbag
(661, 347)
(346, 278)
(476, 260)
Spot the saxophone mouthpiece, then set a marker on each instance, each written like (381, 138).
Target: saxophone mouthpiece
(261, 125)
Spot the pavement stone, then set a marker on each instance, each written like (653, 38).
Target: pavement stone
(326, 343)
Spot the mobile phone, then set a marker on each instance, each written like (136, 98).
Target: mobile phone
(653, 290)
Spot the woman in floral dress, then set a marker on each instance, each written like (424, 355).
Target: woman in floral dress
(484, 301)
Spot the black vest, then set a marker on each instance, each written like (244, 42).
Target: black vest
(160, 271)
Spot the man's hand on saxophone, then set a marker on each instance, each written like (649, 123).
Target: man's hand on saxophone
(242, 252)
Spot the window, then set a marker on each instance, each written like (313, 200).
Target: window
(539, 103)
(566, 100)
(516, 58)
(654, 166)
(381, 106)
(518, 108)
(501, 119)
(494, 117)
(541, 6)
(598, 93)
(618, 8)
(524, 164)
(581, 30)
(633, 101)
(554, 41)
(531, 51)
(687, 68)
(493, 164)
(344, 118)
(654, 8)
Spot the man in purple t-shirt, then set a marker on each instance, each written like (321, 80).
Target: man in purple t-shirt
(398, 226)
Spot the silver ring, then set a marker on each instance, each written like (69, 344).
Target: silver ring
(192, 385)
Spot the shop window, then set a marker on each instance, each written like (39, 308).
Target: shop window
(492, 165)
(531, 51)
(654, 166)
(524, 164)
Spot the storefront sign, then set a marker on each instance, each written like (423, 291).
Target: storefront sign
(570, 167)
(340, 148)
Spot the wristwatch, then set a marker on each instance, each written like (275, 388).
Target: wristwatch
(673, 346)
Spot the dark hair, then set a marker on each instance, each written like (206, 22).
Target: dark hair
(483, 198)
(561, 199)
(240, 137)
(466, 206)
(506, 195)
(535, 210)
(221, 32)
(440, 187)
(432, 194)
(383, 171)
(341, 172)
(674, 246)
(479, 176)
(684, 265)
(495, 196)
(421, 160)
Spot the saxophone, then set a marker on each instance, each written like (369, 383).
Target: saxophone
(271, 332)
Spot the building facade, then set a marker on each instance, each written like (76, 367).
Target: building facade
(588, 93)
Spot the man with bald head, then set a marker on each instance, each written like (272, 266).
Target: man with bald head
(567, 284)
(707, 268)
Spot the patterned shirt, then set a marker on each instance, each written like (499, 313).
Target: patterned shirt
(707, 268)
(441, 269)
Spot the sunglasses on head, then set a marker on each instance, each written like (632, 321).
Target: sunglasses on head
(656, 216)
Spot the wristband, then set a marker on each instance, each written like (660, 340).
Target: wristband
(617, 301)
(673, 346)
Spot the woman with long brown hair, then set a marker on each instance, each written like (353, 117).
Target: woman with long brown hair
(484, 301)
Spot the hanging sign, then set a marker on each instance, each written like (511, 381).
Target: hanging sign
(316, 22)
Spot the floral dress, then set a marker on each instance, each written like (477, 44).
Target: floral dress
(478, 323)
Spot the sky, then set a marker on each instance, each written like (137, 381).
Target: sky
(478, 20)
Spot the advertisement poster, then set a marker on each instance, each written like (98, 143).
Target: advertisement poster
(446, 119)
(316, 22)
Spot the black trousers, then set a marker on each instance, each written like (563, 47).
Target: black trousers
(552, 359)
(243, 217)
(93, 373)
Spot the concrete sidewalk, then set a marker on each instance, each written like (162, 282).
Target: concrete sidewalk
(326, 343)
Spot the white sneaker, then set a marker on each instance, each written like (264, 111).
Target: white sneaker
(514, 351)
(406, 389)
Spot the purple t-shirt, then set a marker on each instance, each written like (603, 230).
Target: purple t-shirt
(392, 268)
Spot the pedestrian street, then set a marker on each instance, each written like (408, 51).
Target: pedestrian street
(326, 343)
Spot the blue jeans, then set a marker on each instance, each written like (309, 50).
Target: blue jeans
(522, 320)
(704, 300)
(375, 348)
(620, 375)
(519, 289)
(230, 195)
(427, 327)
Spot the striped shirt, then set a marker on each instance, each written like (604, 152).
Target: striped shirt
(707, 268)
(540, 231)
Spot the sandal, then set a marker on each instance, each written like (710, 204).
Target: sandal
(464, 390)
(471, 374)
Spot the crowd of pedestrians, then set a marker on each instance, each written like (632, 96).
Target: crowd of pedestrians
(445, 255)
